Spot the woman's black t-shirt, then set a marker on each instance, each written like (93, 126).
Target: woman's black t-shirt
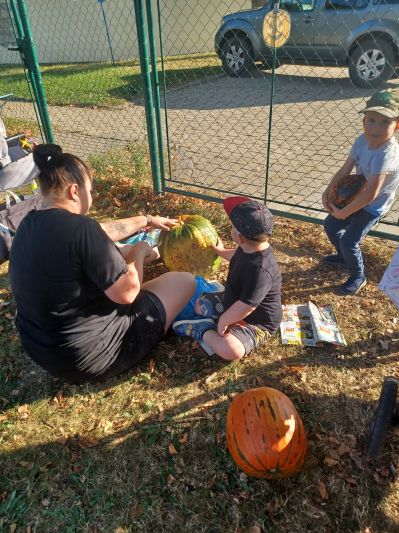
(60, 265)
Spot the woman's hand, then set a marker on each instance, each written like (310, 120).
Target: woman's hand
(151, 256)
(164, 223)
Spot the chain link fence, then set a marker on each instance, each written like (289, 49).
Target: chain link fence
(216, 107)
(17, 116)
(338, 53)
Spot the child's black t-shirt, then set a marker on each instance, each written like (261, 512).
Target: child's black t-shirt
(255, 279)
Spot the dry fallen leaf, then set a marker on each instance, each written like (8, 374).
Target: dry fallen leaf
(384, 344)
(136, 510)
(331, 452)
(172, 449)
(87, 442)
(330, 462)
(322, 490)
(184, 438)
(342, 450)
(334, 442)
(273, 505)
(151, 366)
(171, 479)
(254, 529)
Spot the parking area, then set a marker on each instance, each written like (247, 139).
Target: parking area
(218, 132)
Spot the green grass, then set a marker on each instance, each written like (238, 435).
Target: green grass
(96, 458)
(16, 125)
(102, 84)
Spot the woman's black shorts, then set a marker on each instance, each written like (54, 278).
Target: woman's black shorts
(147, 329)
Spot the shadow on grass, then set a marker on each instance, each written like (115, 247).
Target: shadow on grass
(130, 479)
(132, 87)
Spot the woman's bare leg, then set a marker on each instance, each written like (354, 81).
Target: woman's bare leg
(174, 289)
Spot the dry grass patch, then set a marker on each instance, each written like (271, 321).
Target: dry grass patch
(147, 451)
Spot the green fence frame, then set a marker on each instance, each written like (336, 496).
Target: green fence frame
(27, 50)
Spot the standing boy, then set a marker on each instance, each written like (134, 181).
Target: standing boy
(248, 312)
(375, 154)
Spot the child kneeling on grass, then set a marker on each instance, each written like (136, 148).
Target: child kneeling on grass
(248, 312)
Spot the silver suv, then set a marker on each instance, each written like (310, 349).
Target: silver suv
(360, 34)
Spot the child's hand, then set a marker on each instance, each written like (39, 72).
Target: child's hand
(222, 326)
(218, 247)
(339, 214)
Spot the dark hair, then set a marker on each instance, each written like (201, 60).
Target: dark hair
(58, 169)
(261, 237)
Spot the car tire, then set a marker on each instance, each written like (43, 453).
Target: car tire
(237, 58)
(371, 63)
(383, 417)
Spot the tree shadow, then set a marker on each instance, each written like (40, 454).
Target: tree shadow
(143, 483)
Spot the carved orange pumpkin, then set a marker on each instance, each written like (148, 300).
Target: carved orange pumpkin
(265, 434)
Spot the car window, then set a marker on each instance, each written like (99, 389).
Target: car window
(388, 2)
(297, 5)
(346, 4)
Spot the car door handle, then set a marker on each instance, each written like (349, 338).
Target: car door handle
(308, 19)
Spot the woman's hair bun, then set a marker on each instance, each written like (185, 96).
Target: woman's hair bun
(48, 156)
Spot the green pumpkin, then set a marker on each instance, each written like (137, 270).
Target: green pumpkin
(187, 247)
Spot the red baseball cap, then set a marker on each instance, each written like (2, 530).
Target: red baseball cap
(249, 217)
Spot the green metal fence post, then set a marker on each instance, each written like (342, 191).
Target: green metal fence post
(148, 100)
(19, 35)
(155, 83)
(31, 62)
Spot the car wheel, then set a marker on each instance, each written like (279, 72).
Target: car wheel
(371, 63)
(236, 57)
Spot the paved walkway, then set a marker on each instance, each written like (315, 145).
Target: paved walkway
(218, 131)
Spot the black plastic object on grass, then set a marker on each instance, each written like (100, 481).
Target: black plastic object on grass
(383, 417)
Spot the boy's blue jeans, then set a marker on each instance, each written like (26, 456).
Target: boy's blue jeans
(346, 236)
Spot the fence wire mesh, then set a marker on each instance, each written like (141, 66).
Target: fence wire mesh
(216, 106)
(339, 53)
(18, 116)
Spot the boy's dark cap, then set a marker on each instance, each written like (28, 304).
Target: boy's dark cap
(249, 217)
(385, 102)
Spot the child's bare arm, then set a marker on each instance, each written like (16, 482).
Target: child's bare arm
(346, 169)
(225, 253)
(236, 312)
(370, 193)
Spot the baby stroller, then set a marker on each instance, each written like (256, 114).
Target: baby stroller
(17, 169)
(16, 162)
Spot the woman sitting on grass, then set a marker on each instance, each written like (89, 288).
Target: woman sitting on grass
(83, 313)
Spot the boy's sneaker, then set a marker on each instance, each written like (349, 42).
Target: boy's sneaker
(351, 286)
(334, 260)
(193, 328)
(211, 304)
